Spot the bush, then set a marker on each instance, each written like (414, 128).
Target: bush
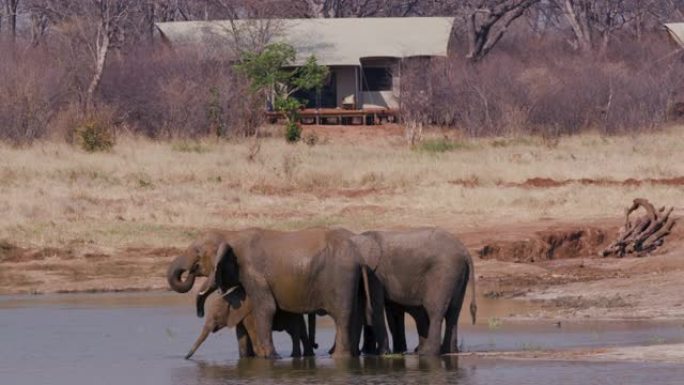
(545, 90)
(29, 93)
(94, 135)
(293, 132)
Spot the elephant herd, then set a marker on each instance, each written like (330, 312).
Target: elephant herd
(268, 280)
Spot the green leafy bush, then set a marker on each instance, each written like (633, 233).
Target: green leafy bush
(293, 132)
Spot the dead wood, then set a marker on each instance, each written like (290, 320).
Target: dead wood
(645, 234)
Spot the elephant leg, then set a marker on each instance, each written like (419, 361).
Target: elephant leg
(311, 323)
(436, 307)
(369, 342)
(244, 342)
(342, 346)
(395, 323)
(422, 324)
(431, 347)
(296, 345)
(208, 328)
(264, 345)
(294, 328)
(378, 317)
(262, 339)
(450, 343)
(306, 340)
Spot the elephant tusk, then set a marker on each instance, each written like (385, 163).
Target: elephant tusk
(232, 289)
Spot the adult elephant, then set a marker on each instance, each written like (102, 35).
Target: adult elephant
(238, 315)
(299, 272)
(425, 271)
(199, 260)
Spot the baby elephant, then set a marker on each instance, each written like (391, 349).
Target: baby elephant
(239, 315)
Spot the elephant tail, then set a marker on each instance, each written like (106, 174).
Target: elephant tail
(473, 300)
(366, 289)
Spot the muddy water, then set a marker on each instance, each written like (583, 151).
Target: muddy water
(141, 339)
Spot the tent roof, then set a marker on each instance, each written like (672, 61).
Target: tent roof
(343, 41)
(677, 32)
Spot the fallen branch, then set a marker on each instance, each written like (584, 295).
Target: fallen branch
(646, 234)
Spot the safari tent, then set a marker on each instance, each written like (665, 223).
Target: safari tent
(676, 30)
(362, 53)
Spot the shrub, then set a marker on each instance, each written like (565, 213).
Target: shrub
(29, 93)
(94, 135)
(293, 132)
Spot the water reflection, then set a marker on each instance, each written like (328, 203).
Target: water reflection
(366, 370)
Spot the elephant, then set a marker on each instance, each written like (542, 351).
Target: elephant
(239, 315)
(424, 271)
(305, 271)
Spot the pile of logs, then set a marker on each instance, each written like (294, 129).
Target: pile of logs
(645, 234)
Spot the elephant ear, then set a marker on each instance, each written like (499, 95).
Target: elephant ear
(240, 307)
(227, 270)
(369, 249)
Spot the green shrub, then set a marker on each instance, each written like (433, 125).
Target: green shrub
(94, 135)
(293, 133)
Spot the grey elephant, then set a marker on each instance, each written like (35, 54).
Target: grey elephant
(425, 272)
(306, 271)
(199, 260)
(239, 316)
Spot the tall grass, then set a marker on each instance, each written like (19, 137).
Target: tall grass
(157, 193)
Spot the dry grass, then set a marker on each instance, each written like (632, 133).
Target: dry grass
(160, 194)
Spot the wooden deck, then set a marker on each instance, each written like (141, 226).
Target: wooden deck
(364, 116)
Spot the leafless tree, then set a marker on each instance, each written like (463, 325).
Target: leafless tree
(483, 22)
(593, 24)
(487, 21)
(10, 11)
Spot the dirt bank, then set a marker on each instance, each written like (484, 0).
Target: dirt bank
(555, 265)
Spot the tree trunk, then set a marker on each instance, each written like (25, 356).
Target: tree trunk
(11, 12)
(316, 8)
(101, 58)
(577, 17)
(485, 33)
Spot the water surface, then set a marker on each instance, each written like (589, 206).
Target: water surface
(142, 338)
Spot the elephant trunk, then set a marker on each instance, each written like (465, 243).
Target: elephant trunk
(174, 275)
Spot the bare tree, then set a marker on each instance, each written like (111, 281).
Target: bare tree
(363, 8)
(593, 23)
(94, 26)
(488, 20)
(10, 11)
